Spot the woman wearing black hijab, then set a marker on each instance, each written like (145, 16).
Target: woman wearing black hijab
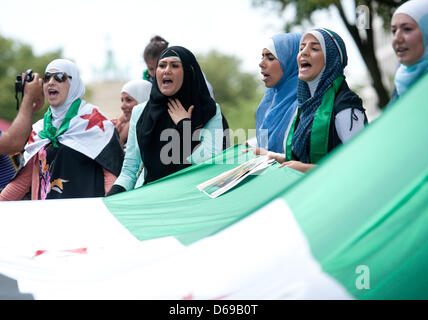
(180, 124)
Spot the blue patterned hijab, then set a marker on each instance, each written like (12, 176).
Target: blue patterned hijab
(336, 60)
(407, 75)
(280, 102)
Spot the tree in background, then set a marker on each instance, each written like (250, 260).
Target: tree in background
(363, 38)
(238, 93)
(16, 58)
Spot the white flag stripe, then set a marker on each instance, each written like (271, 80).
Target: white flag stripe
(264, 256)
(102, 273)
(59, 224)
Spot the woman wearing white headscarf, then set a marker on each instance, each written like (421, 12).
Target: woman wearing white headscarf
(409, 26)
(133, 92)
(73, 152)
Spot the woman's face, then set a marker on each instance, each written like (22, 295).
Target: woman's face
(270, 69)
(169, 75)
(128, 103)
(407, 39)
(310, 59)
(151, 66)
(56, 92)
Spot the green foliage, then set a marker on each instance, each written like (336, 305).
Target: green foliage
(238, 93)
(303, 9)
(15, 58)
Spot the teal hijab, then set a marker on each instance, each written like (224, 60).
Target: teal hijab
(407, 75)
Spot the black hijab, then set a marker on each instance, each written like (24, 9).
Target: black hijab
(155, 117)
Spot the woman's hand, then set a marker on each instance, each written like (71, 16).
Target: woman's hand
(278, 157)
(123, 133)
(33, 91)
(119, 123)
(122, 127)
(177, 112)
(257, 151)
(297, 165)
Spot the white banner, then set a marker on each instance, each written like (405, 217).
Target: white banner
(264, 256)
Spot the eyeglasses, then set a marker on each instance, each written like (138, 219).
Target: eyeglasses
(58, 76)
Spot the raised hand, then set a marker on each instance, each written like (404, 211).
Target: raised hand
(177, 112)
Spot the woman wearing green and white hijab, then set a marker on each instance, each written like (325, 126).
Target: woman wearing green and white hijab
(74, 151)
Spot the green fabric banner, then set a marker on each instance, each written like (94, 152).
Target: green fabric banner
(173, 206)
(364, 209)
(367, 204)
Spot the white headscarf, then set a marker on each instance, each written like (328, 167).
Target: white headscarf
(418, 11)
(313, 84)
(407, 75)
(271, 47)
(76, 91)
(138, 89)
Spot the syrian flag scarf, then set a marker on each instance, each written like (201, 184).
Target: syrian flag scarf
(73, 143)
(75, 124)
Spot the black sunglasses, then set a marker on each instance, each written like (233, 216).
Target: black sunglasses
(58, 76)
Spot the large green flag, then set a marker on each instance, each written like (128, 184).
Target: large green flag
(367, 205)
(175, 207)
(354, 227)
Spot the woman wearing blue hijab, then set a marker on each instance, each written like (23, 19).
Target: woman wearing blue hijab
(329, 113)
(279, 70)
(409, 28)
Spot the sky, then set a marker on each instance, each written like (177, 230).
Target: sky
(85, 29)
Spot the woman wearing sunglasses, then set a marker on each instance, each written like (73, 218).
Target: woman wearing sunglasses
(179, 125)
(74, 151)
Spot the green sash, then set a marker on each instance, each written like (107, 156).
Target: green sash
(320, 126)
(52, 133)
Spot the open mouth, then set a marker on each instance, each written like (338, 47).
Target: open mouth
(401, 51)
(304, 65)
(264, 76)
(166, 82)
(53, 92)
